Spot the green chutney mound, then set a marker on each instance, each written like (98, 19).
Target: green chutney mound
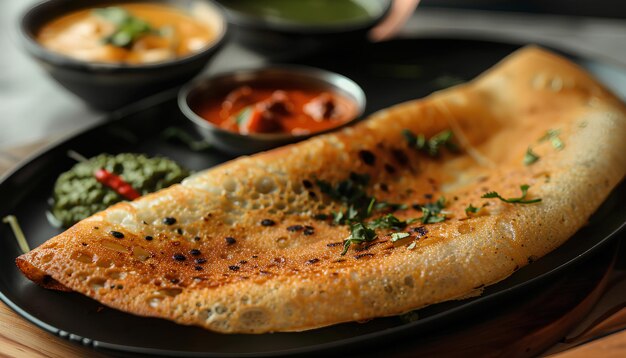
(77, 194)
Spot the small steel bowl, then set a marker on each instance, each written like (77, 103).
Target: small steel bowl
(275, 76)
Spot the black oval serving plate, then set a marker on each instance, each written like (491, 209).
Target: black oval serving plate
(389, 72)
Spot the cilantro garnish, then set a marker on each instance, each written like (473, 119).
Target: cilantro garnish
(389, 221)
(383, 205)
(430, 217)
(351, 192)
(530, 157)
(360, 206)
(520, 200)
(431, 212)
(431, 146)
(553, 136)
(243, 116)
(471, 209)
(397, 236)
(359, 234)
(128, 28)
(441, 139)
(351, 214)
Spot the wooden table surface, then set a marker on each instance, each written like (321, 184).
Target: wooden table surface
(581, 316)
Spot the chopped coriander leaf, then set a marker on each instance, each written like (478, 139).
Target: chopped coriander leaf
(471, 209)
(411, 246)
(437, 206)
(520, 200)
(128, 28)
(359, 234)
(414, 141)
(530, 157)
(352, 213)
(431, 146)
(388, 221)
(553, 136)
(428, 217)
(351, 192)
(383, 205)
(431, 212)
(243, 116)
(557, 143)
(550, 133)
(441, 139)
(349, 215)
(397, 236)
(370, 207)
(337, 217)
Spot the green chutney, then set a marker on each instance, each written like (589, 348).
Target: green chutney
(78, 195)
(309, 12)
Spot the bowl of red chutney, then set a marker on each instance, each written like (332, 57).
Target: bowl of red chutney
(252, 110)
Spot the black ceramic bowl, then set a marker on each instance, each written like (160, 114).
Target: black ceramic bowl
(109, 86)
(206, 88)
(280, 39)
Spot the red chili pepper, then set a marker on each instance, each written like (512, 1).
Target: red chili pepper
(116, 183)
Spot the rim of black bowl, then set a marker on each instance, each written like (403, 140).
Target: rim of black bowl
(308, 71)
(56, 58)
(243, 19)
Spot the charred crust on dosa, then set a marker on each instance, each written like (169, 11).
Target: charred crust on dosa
(39, 277)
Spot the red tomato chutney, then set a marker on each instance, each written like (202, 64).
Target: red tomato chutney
(251, 109)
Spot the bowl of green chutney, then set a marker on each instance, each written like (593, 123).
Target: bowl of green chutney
(286, 29)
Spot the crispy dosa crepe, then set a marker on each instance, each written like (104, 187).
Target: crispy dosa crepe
(237, 248)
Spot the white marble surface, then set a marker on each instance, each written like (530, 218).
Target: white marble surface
(33, 107)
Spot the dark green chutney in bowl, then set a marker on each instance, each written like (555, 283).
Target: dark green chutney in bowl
(290, 28)
(308, 12)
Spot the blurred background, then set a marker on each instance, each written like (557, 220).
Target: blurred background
(33, 108)
(599, 8)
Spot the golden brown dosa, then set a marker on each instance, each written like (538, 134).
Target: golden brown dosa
(249, 277)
